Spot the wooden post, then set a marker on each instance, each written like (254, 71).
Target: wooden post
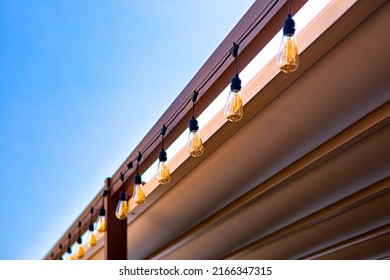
(115, 247)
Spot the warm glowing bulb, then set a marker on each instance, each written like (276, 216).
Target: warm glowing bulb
(79, 251)
(163, 174)
(121, 209)
(288, 59)
(91, 239)
(195, 145)
(101, 224)
(139, 194)
(233, 108)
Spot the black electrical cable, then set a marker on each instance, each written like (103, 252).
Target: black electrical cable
(256, 22)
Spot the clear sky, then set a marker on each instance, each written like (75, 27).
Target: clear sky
(81, 83)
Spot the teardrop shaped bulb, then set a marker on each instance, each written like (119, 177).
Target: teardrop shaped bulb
(139, 194)
(79, 251)
(101, 224)
(70, 257)
(195, 145)
(91, 239)
(163, 174)
(121, 210)
(288, 59)
(233, 108)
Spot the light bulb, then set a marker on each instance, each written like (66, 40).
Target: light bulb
(195, 145)
(233, 109)
(163, 174)
(101, 224)
(91, 239)
(70, 257)
(288, 59)
(139, 194)
(79, 251)
(121, 209)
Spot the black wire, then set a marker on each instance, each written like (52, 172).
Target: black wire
(179, 112)
(214, 70)
(250, 29)
(289, 7)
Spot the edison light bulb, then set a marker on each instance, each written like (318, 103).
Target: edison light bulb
(195, 145)
(70, 257)
(139, 194)
(101, 224)
(79, 251)
(91, 239)
(288, 59)
(121, 209)
(233, 108)
(163, 174)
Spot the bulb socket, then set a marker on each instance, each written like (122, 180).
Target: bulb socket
(193, 124)
(69, 250)
(123, 196)
(102, 212)
(91, 228)
(137, 179)
(236, 83)
(288, 26)
(79, 241)
(162, 156)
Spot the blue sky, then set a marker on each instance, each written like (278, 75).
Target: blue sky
(81, 83)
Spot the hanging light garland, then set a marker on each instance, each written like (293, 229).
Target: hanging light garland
(91, 237)
(79, 248)
(287, 61)
(101, 222)
(195, 145)
(138, 192)
(287, 58)
(163, 174)
(233, 108)
(69, 255)
(60, 247)
(121, 209)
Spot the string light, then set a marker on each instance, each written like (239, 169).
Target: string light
(233, 112)
(233, 108)
(195, 145)
(122, 209)
(287, 58)
(101, 223)
(60, 246)
(79, 248)
(138, 193)
(163, 174)
(91, 237)
(69, 255)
